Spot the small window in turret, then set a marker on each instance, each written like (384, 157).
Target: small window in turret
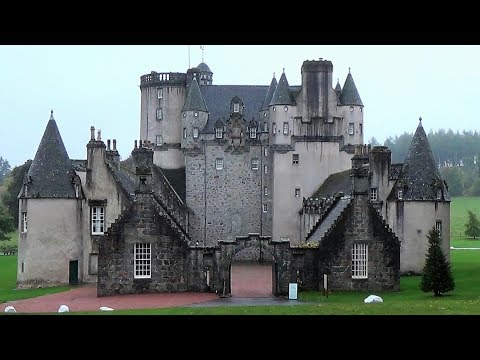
(400, 194)
(236, 107)
(160, 93)
(159, 140)
(285, 128)
(351, 129)
(184, 133)
(195, 132)
(265, 127)
(360, 128)
(255, 163)
(24, 222)
(439, 194)
(195, 114)
(159, 114)
(274, 128)
(297, 192)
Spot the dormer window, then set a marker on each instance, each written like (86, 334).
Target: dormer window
(236, 107)
(218, 133)
(195, 132)
(253, 133)
(400, 194)
(439, 194)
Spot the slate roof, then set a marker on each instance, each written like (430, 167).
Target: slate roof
(79, 165)
(282, 95)
(204, 67)
(349, 94)
(123, 177)
(176, 178)
(335, 183)
(195, 100)
(271, 90)
(419, 173)
(318, 233)
(218, 98)
(395, 171)
(338, 88)
(51, 172)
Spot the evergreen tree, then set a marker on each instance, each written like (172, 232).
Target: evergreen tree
(9, 198)
(4, 169)
(437, 274)
(472, 226)
(6, 223)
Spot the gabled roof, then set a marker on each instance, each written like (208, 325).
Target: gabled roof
(282, 95)
(51, 172)
(124, 178)
(195, 100)
(349, 94)
(335, 183)
(271, 90)
(419, 175)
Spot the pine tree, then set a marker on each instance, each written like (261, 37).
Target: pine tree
(6, 223)
(437, 274)
(472, 226)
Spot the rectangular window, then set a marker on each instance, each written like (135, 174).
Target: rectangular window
(351, 129)
(218, 133)
(439, 194)
(438, 226)
(265, 208)
(274, 128)
(359, 261)
(24, 221)
(297, 192)
(184, 133)
(265, 169)
(400, 194)
(236, 107)
(160, 93)
(98, 220)
(159, 114)
(255, 164)
(219, 164)
(360, 128)
(295, 159)
(159, 140)
(253, 133)
(265, 191)
(265, 127)
(265, 151)
(143, 261)
(195, 132)
(285, 128)
(373, 194)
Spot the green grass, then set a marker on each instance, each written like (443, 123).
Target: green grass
(465, 299)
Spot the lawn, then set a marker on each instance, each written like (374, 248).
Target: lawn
(8, 278)
(465, 299)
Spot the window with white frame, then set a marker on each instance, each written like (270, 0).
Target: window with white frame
(297, 192)
(265, 151)
(219, 163)
(159, 114)
(373, 194)
(295, 159)
(195, 114)
(359, 261)
(285, 128)
(253, 132)
(265, 191)
(24, 221)
(160, 93)
(255, 164)
(143, 261)
(184, 133)
(98, 220)
(400, 194)
(274, 128)
(159, 140)
(265, 126)
(265, 169)
(438, 226)
(265, 208)
(236, 107)
(218, 133)
(351, 129)
(195, 132)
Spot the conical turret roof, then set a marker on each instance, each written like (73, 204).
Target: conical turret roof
(195, 100)
(349, 94)
(269, 96)
(282, 96)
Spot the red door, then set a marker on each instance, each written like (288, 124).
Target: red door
(251, 280)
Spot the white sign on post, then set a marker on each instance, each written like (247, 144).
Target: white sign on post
(292, 291)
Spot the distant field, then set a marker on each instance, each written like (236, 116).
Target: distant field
(458, 219)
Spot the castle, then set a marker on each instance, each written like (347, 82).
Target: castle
(272, 181)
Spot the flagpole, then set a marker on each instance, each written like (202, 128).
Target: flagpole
(189, 56)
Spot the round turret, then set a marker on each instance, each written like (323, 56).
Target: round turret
(206, 75)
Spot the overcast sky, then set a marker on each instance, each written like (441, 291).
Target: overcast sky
(99, 85)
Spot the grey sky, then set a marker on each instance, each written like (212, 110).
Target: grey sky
(98, 85)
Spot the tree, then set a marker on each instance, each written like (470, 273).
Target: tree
(472, 226)
(373, 142)
(437, 273)
(6, 223)
(4, 169)
(10, 199)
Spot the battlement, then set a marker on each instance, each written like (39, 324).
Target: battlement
(154, 79)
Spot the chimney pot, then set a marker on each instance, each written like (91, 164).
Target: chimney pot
(92, 132)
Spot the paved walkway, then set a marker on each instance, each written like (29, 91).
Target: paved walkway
(84, 298)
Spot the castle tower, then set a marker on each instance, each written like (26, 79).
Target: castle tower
(352, 112)
(194, 117)
(50, 201)
(266, 123)
(206, 75)
(162, 99)
(280, 115)
(418, 201)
